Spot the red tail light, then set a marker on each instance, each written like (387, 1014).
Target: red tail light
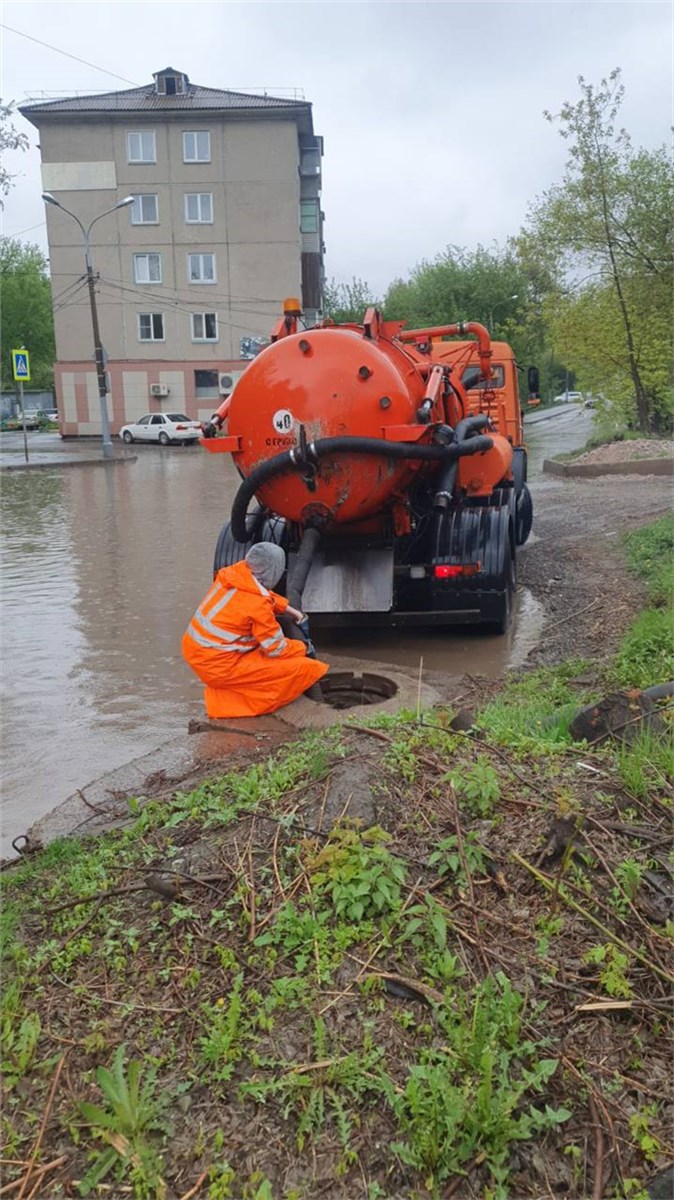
(182, 426)
(451, 571)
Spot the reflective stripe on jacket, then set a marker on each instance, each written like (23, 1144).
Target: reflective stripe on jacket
(237, 615)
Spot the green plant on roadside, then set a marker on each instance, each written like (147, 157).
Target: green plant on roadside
(525, 713)
(328, 1090)
(447, 860)
(614, 967)
(361, 878)
(221, 1044)
(19, 1035)
(641, 1128)
(134, 1111)
(645, 655)
(646, 763)
(548, 926)
(477, 786)
(650, 554)
(470, 1097)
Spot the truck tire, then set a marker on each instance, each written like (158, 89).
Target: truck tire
(524, 515)
(264, 528)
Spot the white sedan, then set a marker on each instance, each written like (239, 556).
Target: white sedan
(162, 428)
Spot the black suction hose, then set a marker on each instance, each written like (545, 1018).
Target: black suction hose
(291, 460)
(464, 430)
(297, 578)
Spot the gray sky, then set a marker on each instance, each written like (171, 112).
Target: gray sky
(431, 112)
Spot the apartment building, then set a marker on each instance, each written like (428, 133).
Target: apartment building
(226, 221)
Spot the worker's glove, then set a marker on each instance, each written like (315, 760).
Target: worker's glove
(303, 625)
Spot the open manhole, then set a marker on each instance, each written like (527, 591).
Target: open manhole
(345, 689)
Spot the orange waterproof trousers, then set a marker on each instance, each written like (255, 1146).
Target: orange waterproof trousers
(236, 647)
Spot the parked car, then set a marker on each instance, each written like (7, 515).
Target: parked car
(162, 428)
(50, 415)
(569, 398)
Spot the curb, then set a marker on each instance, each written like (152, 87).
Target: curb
(68, 462)
(637, 466)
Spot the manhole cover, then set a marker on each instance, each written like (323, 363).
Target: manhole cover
(345, 689)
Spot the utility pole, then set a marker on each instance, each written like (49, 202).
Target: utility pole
(98, 356)
(99, 353)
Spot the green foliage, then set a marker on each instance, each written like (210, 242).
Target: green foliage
(446, 859)
(646, 763)
(19, 1034)
(646, 652)
(221, 1044)
(133, 1112)
(359, 875)
(9, 140)
(650, 555)
(346, 303)
(26, 317)
(608, 223)
(526, 712)
(477, 786)
(641, 1128)
(614, 967)
(470, 1097)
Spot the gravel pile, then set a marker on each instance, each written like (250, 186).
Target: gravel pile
(627, 451)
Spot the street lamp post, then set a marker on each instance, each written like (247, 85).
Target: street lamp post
(98, 348)
(496, 308)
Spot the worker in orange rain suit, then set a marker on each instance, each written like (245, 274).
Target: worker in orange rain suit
(236, 646)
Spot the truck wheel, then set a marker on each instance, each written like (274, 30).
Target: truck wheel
(266, 529)
(524, 515)
(502, 624)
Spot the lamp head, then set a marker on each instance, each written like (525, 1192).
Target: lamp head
(49, 199)
(127, 200)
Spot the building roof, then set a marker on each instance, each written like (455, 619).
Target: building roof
(147, 100)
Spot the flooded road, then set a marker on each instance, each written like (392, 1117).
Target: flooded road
(101, 570)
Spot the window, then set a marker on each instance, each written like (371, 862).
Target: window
(197, 146)
(158, 420)
(147, 268)
(471, 379)
(144, 420)
(309, 216)
(201, 268)
(144, 210)
(204, 327)
(150, 327)
(141, 148)
(206, 385)
(199, 208)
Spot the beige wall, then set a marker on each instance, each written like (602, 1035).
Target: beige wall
(253, 177)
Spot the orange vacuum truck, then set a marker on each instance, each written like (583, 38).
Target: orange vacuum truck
(389, 463)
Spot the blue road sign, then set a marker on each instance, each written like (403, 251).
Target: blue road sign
(21, 366)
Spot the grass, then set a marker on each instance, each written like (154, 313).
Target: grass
(368, 1004)
(646, 653)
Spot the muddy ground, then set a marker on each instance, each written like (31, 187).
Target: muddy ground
(574, 564)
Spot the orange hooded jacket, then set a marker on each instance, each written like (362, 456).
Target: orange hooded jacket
(236, 647)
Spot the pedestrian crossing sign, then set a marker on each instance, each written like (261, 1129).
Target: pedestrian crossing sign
(21, 366)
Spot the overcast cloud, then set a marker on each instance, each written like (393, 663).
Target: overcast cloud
(431, 112)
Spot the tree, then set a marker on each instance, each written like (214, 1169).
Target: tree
(26, 317)
(606, 232)
(9, 140)
(345, 303)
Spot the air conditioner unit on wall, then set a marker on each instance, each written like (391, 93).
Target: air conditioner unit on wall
(225, 384)
(159, 389)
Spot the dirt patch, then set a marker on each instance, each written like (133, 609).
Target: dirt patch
(627, 451)
(575, 565)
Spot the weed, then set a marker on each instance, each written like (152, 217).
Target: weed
(646, 763)
(645, 653)
(468, 1098)
(650, 554)
(477, 786)
(641, 1123)
(221, 1045)
(133, 1111)
(525, 713)
(547, 927)
(613, 975)
(360, 876)
(19, 1035)
(446, 859)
